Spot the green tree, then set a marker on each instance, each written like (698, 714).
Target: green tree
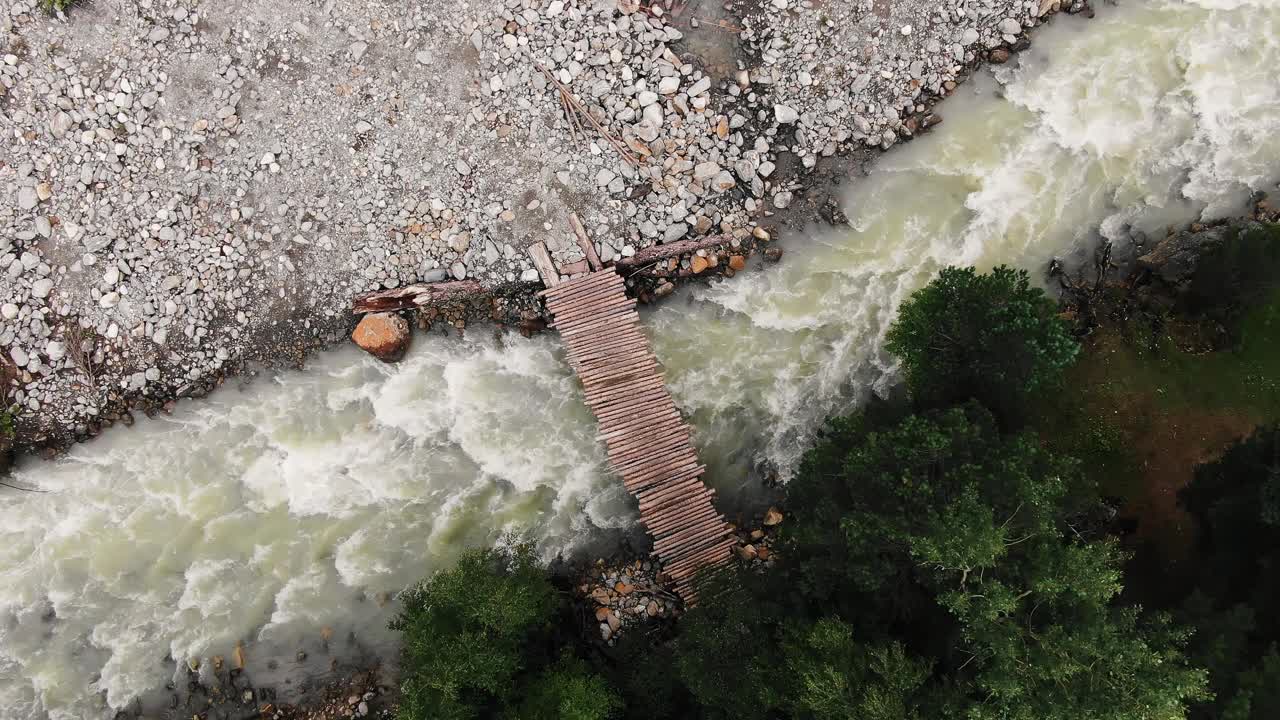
(833, 677)
(1236, 501)
(946, 508)
(727, 652)
(991, 336)
(933, 494)
(569, 691)
(466, 633)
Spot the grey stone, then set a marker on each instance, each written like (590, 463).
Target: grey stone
(41, 288)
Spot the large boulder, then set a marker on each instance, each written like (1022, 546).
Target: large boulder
(1174, 258)
(383, 335)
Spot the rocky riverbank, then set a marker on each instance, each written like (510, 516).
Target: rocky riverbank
(195, 191)
(629, 592)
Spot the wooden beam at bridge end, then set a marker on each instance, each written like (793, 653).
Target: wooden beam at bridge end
(584, 242)
(542, 261)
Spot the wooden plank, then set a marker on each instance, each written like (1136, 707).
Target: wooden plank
(647, 485)
(584, 242)
(654, 499)
(542, 261)
(608, 306)
(643, 428)
(600, 278)
(695, 532)
(689, 561)
(578, 285)
(672, 522)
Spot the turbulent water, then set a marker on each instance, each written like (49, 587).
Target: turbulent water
(264, 514)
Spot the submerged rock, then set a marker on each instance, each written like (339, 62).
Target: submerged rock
(383, 335)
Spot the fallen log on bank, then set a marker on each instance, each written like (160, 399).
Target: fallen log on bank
(675, 249)
(420, 295)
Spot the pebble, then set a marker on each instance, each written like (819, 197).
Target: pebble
(26, 198)
(257, 193)
(41, 288)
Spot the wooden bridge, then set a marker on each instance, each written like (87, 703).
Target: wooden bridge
(647, 440)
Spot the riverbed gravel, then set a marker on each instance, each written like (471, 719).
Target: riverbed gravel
(185, 185)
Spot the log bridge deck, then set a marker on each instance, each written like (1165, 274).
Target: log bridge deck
(647, 440)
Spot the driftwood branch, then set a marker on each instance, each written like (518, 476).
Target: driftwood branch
(420, 295)
(81, 346)
(661, 252)
(579, 112)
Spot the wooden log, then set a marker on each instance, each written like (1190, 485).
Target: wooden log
(614, 305)
(654, 499)
(640, 427)
(648, 486)
(662, 477)
(584, 242)
(688, 563)
(660, 252)
(419, 295)
(647, 438)
(588, 299)
(568, 289)
(542, 261)
(674, 523)
(607, 300)
(690, 534)
(670, 506)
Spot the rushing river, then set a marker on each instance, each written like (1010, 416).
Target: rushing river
(261, 515)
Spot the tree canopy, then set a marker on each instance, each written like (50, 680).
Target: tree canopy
(1236, 501)
(992, 337)
(466, 632)
(938, 561)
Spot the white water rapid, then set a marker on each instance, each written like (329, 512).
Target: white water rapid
(263, 514)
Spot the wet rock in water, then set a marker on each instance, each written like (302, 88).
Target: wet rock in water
(697, 263)
(385, 336)
(772, 517)
(773, 253)
(747, 552)
(737, 262)
(999, 56)
(1174, 258)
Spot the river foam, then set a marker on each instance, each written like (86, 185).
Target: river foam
(1151, 115)
(262, 515)
(265, 514)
